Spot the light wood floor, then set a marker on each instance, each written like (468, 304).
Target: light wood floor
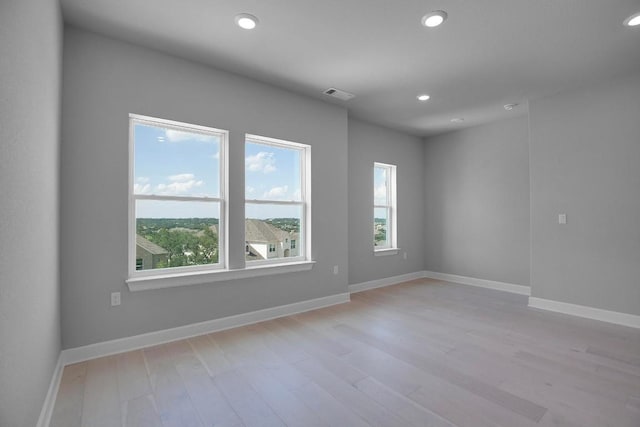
(423, 353)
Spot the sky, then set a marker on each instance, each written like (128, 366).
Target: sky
(176, 163)
(380, 186)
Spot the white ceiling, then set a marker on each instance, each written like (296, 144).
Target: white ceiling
(487, 54)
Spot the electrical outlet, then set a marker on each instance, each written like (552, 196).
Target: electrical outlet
(335, 269)
(404, 255)
(562, 218)
(115, 299)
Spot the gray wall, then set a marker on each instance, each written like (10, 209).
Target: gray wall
(104, 80)
(368, 144)
(30, 58)
(585, 162)
(476, 221)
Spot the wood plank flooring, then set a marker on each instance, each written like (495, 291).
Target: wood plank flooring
(422, 353)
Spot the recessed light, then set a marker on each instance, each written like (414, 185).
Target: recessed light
(423, 97)
(246, 21)
(633, 20)
(435, 18)
(510, 107)
(457, 120)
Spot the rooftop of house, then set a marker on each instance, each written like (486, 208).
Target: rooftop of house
(149, 246)
(260, 231)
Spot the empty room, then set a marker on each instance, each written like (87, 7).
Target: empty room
(306, 213)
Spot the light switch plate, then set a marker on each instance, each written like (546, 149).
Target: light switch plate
(562, 218)
(115, 299)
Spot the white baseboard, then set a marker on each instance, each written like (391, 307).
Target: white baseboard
(92, 351)
(482, 283)
(618, 318)
(49, 401)
(387, 281)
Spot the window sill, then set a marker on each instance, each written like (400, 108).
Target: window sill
(199, 277)
(386, 252)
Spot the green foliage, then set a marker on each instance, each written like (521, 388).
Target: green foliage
(193, 241)
(286, 224)
(380, 231)
(189, 241)
(155, 224)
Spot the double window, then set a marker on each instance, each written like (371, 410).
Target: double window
(178, 200)
(384, 207)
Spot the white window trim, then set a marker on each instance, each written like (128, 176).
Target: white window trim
(171, 280)
(386, 252)
(392, 223)
(223, 245)
(304, 241)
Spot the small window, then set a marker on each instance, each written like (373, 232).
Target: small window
(384, 206)
(176, 196)
(293, 244)
(277, 193)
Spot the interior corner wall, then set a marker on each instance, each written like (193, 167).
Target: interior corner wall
(585, 163)
(30, 68)
(476, 221)
(103, 81)
(369, 143)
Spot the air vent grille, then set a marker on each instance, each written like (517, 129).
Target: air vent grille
(340, 94)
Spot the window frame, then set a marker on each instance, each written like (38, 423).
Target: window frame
(390, 206)
(223, 136)
(141, 280)
(304, 202)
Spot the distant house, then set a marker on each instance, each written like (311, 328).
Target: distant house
(265, 241)
(149, 255)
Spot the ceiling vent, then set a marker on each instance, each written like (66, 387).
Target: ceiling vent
(340, 94)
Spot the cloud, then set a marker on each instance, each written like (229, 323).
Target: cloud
(178, 184)
(142, 185)
(179, 136)
(262, 162)
(249, 190)
(181, 177)
(277, 193)
(380, 194)
(141, 188)
(177, 187)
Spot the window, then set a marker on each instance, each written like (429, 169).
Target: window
(277, 190)
(176, 197)
(384, 207)
(179, 212)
